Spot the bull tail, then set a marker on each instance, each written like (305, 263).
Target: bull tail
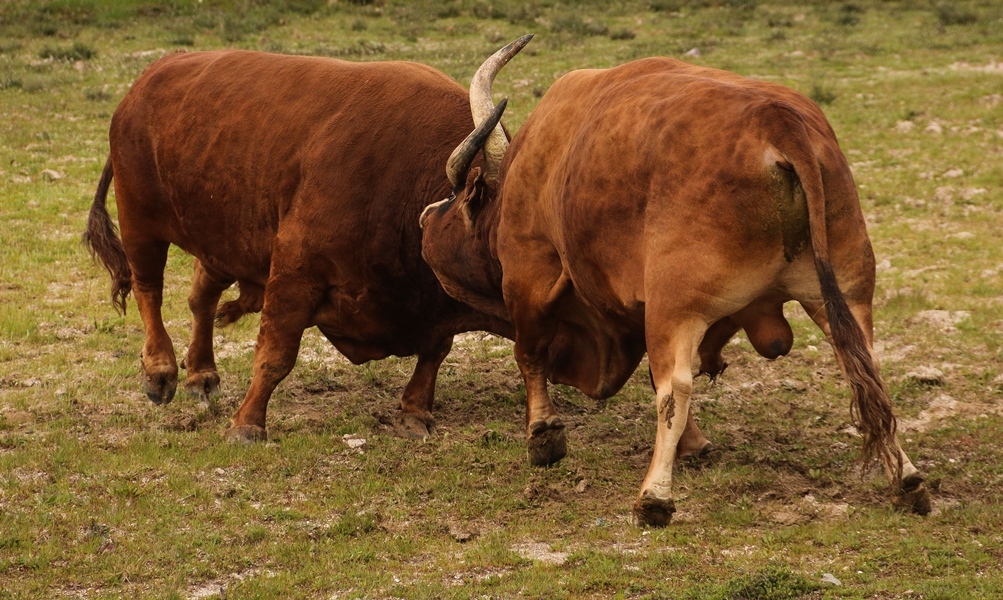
(870, 407)
(101, 238)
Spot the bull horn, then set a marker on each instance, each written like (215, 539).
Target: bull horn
(459, 161)
(481, 105)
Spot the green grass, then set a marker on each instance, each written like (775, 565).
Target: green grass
(104, 495)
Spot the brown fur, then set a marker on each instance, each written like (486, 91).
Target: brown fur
(300, 178)
(644, 206)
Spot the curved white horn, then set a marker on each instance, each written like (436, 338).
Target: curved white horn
(481, 105)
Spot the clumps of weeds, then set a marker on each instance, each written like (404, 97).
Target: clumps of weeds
(773, 582)
(664, 6)
(575, 25)
(949, 14)
(484, 10)
(779, 20)
(79, 51)
(98, 95)
(821, 94)
(361, 48)
(622, 34)
(849, 14)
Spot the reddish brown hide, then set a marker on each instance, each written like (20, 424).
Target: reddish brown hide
(302, 179)
(659, 207)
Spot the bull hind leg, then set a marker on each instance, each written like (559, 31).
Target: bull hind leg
(250, 300)
(910, 492)
(147, 260)
(693, 442)
(202, 378)
(670, 354)
(711, 362)
(415, 418)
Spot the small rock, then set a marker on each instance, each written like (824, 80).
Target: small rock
(692, 52)
(935, 128)
(541, 552)
(851, 431)
(945, 320)
(904, 126)
(460, 535)
(220, 472)
(953, 173)
(969, 193)
(831, 579)
(50, 175)
(794, 385)
(991, 101)
(580, 488)
(926, 376)
(354, 441)
(785, 518)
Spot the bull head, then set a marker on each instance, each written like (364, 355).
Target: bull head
(455, 241)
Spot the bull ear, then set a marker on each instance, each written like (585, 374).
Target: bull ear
(472, 198)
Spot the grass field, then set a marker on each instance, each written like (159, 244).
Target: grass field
(103, 495)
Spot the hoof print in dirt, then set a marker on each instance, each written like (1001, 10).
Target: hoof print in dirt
(547, 442)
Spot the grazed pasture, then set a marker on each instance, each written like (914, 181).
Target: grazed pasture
(104, 495)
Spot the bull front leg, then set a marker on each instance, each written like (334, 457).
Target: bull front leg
(415, 418)
(291, 298)
(532, 307)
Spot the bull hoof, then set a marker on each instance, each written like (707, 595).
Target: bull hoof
(546, 443)
(653, 512)
(246, 434)
(699, 456)
(411, 426)
(913, 496)
(160, 384)
(202, 384)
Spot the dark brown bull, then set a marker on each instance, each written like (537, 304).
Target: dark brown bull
(659, 207)
(302, 179)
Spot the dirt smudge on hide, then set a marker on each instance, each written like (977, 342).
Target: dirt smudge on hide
(791, 210)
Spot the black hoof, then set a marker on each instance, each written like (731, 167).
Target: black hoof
(160, 385)
(546, 443)
(653, 512)
(913, 496)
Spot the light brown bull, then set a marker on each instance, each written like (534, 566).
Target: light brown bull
(302, 179)
(659, 207)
